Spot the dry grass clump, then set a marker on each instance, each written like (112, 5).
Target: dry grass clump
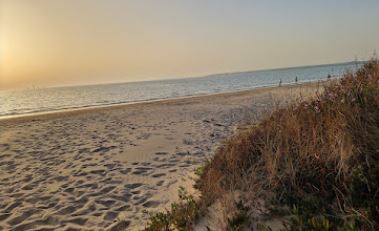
(319, 157)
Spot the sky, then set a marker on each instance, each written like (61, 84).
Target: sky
(68, 42)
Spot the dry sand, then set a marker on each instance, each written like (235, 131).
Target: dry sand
(89, 169)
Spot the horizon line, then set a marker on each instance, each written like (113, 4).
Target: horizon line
(195, 77)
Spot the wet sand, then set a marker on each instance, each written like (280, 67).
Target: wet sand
(96, 168)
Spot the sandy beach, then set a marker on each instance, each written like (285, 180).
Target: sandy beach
(94, 169)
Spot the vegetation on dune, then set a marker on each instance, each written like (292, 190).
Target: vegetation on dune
(319, 157)
(315, 164)
(180, 216)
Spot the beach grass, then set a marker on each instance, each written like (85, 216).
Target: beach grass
(317, 159)
(313, 165)
(180, 216)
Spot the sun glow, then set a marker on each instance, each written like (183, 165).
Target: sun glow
(87, 41)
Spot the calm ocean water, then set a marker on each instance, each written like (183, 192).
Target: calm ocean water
(49, 99)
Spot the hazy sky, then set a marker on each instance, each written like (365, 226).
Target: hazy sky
(89, 41)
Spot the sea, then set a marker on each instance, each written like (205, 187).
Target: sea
(37, 100)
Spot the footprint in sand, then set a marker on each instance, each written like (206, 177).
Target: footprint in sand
(151, 204)
(77, 221)
(4, 216)
(122, 208)
(12, 206)
(159, 175)
(159, 183)
(125, 171)
(17, 220)
(122, 225)
(136, 192)
(133, 186)
(67, 210)
(110, 216)
(106, 203)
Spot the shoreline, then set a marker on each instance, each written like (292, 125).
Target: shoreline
(87, 109)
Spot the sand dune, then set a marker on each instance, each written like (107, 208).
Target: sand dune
(100, 168)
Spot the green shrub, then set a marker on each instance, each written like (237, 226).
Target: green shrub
(180, 217)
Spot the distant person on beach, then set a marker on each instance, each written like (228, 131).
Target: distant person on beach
(329, 76)
(280, 82)
(296, 79)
